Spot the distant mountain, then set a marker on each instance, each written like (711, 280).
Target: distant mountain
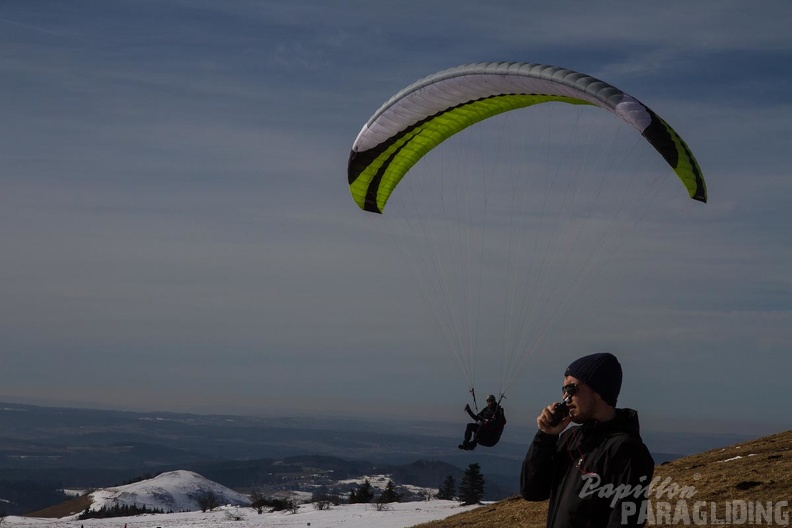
(44, 449)
(84, 448)
(174, 491)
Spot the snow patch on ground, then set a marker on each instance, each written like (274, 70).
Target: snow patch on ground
(399, 515)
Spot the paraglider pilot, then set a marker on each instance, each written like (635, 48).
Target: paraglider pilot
(487, 428)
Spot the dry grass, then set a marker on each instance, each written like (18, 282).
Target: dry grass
(64, 509)
(509, 512)
(762, 473)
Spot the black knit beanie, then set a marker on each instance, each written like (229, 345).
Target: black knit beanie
(602, 372)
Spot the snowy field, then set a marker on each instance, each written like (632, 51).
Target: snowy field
(177, 490)
(400, 515)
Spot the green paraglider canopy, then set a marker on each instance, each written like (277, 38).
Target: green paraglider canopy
(426, 113)
(512, 235)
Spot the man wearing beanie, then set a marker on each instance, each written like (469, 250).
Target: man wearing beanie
(582, 469)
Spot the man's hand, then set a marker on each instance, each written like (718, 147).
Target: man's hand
(467, 407)
(543, 421)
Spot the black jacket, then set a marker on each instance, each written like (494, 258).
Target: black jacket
(574, 469)
(488, 414)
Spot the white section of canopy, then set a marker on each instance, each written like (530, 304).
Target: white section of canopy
(437, 93)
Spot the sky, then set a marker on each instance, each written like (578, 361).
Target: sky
(178, 233)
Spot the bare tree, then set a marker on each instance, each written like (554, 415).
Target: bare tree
(381, 505)
(258, 501)
(207, 500)
(323, 504)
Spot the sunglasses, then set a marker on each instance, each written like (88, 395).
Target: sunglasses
(570, 390)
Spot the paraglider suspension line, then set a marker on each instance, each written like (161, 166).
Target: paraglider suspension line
(473, 393)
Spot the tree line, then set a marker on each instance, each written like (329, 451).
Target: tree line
(470, 490)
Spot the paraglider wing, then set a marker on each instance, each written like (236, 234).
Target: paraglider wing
(423, 115)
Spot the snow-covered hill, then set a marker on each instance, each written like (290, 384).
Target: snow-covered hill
(175, 491)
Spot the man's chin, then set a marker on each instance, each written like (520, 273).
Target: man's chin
(577, 419)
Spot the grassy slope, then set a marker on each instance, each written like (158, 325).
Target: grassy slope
(763, 473)
(64, 509)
